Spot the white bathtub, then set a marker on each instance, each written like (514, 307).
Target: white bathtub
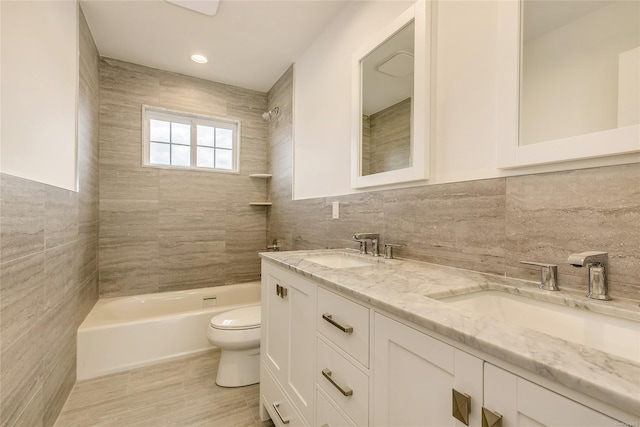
(123, 333)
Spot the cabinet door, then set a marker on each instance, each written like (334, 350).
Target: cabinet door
(288, 334)
(302, 345)
(275, 321)
(523, 403)
(414, 375)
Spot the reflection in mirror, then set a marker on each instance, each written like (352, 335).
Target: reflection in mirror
(387, 92)
(580, 68)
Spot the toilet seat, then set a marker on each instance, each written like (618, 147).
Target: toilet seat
(238, 319)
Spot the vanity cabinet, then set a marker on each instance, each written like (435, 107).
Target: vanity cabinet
(415, 376)
(288, 344)
(330, 360)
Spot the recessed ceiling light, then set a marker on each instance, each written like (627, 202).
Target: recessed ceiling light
(200, 59)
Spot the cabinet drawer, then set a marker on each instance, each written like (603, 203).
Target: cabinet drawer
(279, 407)
(327, 415)
(336, 376)
(345, 323)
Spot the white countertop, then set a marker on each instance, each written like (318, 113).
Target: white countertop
(407, 289)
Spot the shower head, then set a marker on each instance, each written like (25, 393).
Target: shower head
(268, 115)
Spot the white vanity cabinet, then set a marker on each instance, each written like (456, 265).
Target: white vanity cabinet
(288, 345)
(415, 375)
(331, 360)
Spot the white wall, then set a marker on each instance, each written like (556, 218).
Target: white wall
(466, 92)
(39, 86)
(322, 99)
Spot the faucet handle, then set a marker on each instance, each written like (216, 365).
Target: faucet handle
(388, 249)
(363, 245)
(548, 275)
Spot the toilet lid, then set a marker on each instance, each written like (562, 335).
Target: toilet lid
(240, 318)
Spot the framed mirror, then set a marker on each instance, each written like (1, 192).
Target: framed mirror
(390, 107)
(572, 80)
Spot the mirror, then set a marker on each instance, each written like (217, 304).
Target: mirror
(387, 92)
(390, 107)
(579, 68)
(572, 80)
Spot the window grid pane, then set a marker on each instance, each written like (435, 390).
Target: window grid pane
(205, 157)
(159, 131)
(205, 135)
(224, 159)
(224, 138)
(180, 134)
(180, 155)
(160, 153)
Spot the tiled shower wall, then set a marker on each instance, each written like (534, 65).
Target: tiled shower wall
(163, 229)
(485, 225)
(49, 270)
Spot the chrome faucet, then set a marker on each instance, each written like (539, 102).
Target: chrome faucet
(597, 262)
(363, 237)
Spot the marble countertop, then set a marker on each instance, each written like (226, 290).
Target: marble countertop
(407, 289)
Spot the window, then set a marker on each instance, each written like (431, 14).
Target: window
(183, 140)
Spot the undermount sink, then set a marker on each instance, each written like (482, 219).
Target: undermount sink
(613, 335)
(338, 260)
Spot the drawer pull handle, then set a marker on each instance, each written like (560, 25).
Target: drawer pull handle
(491, 419)
(346, 391)
(281, 291)
(345, 329)
(284, 420)
(461, 406)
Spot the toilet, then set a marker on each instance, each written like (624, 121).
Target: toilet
(237, 334)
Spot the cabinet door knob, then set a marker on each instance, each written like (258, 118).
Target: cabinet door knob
(276, 406)
(329, 318)
(461, 406)
(491, 419)
(346, 391)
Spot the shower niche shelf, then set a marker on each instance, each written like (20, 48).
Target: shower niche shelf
(260, 176)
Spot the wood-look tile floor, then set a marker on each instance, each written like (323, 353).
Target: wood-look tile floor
(174, 394)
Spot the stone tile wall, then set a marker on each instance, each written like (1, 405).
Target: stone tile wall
(163, 229)
(485, 225)
(389, 138)
(48, 270)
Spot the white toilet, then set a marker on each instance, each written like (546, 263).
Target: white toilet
(237, 334)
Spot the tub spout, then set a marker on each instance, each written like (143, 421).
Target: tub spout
(274, 245)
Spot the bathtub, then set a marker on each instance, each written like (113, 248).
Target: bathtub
(123, 333)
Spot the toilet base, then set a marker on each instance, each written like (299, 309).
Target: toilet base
(238, 368)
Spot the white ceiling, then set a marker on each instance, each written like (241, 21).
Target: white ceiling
(249, 43)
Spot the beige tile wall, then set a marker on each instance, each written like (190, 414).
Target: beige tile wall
(48, 271)
(485, 225)
(165, 229)
(389, 138)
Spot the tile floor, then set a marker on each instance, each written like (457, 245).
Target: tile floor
(179, 393)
